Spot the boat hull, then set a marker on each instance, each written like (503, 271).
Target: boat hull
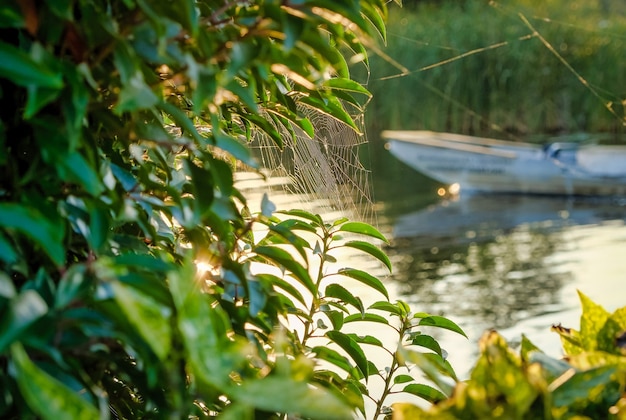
(495, 166)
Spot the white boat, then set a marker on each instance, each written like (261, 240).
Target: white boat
(488, 165)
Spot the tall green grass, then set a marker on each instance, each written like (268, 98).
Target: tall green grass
(501, 79)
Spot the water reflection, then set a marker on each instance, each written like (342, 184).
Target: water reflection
(498, 261)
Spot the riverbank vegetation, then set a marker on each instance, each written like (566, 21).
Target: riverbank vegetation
(510, 70)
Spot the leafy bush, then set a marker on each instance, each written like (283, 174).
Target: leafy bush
(134, 283)
(588, 383)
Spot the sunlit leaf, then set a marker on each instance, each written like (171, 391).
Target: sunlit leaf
(45, 395)
(439, 322)
(352, 348)
(363, 229)
(387, 307)
(426, 392)
(366, 317)
(366, 279)
(283, 258)
(296, 397)
(147, 316)
(338, 291)
(592, 320)
(402, 379)
(372, 250)
(428, 342)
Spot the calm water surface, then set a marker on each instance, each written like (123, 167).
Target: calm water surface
(511, 263)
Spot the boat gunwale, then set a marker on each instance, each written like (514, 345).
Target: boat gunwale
(462, 145)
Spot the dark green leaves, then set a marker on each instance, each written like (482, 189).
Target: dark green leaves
(46, 231)
(350, 346)
(48, 397)
(22, 69)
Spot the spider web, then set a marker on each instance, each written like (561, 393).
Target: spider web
(323, 174)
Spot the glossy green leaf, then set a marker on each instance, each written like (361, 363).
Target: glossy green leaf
(428, 342)
(314, 218)
(370, 249)
(366, 279)
(32, 223)
(336, 319)
(45, 395)
(296, 397)
(426, 392)
(284, 259)
(24, 310)
(367, 339)
(276, 281)
(363, 229)
(346, 84)
(149, 318)
(366, 317)
(332, 356)
(338, 291)
(439, 322)
(387, 307)
(18, 67)
(402, 379)
(352, 348)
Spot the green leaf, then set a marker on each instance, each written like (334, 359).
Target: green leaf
(387, 307)
(433, 366)
(7, 252)
(351, 347)
(147, 316)
(21, 69)
(41, 229)
(363, 229)
(367, 318)
(314, 218)
(372, 250)
(426, 392)
(276, 281)
(342, 83)
(581, 385)
(45, 395)
(428, 342)
(439, 322)
(296, 397)
(613, 327)
(337, 291)
(332, 356)
(24, 310)
(402, 379)
(366, 279)
(367, 339)
(73, 167)
(592, 320)
(336, 318)
(283, 258)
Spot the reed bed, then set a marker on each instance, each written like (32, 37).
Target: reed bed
(515, 69)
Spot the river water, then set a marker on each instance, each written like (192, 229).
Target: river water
(510, 263)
